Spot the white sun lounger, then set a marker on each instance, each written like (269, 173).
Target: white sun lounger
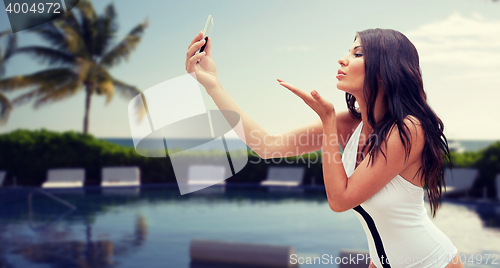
(65, 178)
(120, 176)
(203, 176)
(284, 176)
(121, 180)
(285, 179)
(462, 179)
(236, 254)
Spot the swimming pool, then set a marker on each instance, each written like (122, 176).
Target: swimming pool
(154, 226)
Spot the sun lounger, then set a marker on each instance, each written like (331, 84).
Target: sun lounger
(65, 178)
(284, 176)
(284, 179)
(236, 254)
(121, 180)
(203, 176)
(120, 176)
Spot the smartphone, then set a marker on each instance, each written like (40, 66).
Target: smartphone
(208, 28)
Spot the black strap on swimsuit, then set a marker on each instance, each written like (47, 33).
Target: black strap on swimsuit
(376, 236)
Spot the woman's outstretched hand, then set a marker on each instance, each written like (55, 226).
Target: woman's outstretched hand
(321, 106)
(205, 70)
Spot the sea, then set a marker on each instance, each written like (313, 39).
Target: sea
(467, 145)
(202, 145)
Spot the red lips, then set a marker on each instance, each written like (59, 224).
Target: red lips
(340, 74)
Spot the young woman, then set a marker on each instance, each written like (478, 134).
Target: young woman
(393, 144)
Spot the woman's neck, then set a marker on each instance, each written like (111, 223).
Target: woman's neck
(379, 111)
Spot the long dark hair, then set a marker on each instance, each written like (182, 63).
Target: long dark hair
(390, 57)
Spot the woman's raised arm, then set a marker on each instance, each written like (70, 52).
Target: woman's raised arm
(301, 140)
(309, 138)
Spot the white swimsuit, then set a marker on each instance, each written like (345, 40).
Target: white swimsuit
(396, 223)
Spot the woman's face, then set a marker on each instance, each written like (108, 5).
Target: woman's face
(351, 74)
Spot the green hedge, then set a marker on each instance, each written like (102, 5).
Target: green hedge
(27, 155)
(489, 161)
(465, 159)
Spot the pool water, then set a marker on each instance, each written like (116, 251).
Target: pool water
(154, 226)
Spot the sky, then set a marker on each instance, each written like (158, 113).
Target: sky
(256, 42)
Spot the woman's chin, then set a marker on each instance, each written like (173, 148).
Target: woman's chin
(349, 90)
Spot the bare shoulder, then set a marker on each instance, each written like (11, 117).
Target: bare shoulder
(412, 124)
(415, 128)
(346, 124)
(415, 133)
(410, 119)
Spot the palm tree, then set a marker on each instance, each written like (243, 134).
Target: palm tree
(81, 52)
(5, 104)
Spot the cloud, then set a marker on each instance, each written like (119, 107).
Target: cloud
(459, 40)
(460, 60)
(478, 77)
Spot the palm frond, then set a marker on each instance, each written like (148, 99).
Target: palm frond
(106, 88)
(5, 109)
(46, 78)
(57, 94)
(50, 33)
(74, 42)
(126, 90)
(83, 68)
(125, 47)
(54, 80)
(87, 11)
(88, 17)
(130, 92)
(11, 46)
(25, 97)
(9, 51)
(57, 36)
(107, 27)
(12, 83)
(50, 55)
(105, 84)
(70, 19)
